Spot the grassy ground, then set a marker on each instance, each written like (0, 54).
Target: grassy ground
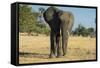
(35, 49)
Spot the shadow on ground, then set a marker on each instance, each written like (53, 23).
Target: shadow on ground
(33, 55)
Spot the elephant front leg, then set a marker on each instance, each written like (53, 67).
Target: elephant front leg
(52, 47)
(58, 44)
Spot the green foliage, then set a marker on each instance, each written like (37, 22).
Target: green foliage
(82, 31)
(42, 29)
(28, 21)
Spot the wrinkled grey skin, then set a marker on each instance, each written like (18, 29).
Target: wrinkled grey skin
(61, 23)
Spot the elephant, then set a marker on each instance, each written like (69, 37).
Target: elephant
(60, 23)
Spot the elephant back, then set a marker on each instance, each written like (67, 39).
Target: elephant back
(67, 19)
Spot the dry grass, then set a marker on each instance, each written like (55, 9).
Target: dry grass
(35, 49)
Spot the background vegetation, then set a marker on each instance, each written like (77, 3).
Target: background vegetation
(31, 21)
(83, 31)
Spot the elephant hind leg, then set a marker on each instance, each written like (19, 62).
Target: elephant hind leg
(64, 42)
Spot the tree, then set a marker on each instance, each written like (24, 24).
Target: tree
(79, 30)
(82, 31)
(41, 10)
(27, 19)
(91, 32)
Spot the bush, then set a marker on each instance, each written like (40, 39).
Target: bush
(82, 31)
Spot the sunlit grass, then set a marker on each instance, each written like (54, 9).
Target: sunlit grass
(35, 49)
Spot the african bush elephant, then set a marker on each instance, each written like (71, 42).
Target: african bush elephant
(61, 23)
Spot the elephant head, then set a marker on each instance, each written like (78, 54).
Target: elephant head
(59, 21)
(51, 16)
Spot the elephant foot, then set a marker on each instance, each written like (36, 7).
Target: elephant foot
(51, 56)
(58, 56)
(64, 54)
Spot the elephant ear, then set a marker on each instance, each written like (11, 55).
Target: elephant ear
(48, 14)
(60, 13)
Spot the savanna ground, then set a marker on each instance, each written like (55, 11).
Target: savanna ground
(36, 49)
